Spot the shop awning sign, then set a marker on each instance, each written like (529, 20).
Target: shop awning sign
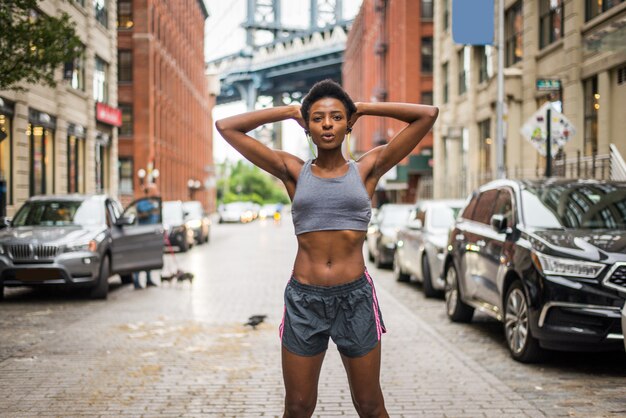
(109, 115)
(561, 129)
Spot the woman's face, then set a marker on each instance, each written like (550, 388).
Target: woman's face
(328, 122)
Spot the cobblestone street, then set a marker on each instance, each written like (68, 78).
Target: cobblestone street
(182, 350)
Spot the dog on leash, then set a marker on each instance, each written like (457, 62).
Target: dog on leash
(178, 276)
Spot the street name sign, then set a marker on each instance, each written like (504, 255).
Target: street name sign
(547, 84)
(473, 22)
(535, 131)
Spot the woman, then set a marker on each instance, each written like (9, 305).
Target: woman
(330, 294)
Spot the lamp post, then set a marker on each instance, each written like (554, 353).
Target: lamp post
(193, 185)
(147, 177)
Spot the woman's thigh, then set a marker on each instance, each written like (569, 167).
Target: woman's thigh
(301, 374)
(364, 377)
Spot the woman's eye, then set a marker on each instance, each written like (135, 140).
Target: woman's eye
(338, 118)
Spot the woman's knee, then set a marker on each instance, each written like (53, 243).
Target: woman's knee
(370, 407)
(299, 406)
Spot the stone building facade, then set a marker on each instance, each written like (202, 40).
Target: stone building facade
(579, 44)
(64, 140)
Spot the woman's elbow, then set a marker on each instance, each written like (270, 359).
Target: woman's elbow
(433, 112)
(219, 125)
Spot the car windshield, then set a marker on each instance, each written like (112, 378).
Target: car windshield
(393, 216)
(60, 213)
(443, 216)
(193, 209)
(173, 212)
(579, 205)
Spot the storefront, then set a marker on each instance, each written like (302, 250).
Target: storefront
(41, 130)
(107, 118)
(6, 154)
(76, 137)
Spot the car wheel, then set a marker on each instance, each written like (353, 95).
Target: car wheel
(377, 261)
(398, 273)
(206, 239)
(1, 293)
(457, 310)
(522, 345)
(370, 256)
(126, 278)
(101, 289)
(427, 280)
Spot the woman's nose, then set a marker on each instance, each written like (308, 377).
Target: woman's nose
(328, 122)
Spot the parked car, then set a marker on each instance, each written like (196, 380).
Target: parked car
(197, 221)
(422, 243)
(177, 232)
(79, 241)
(382, 232)
(534, 255)
(236, 212)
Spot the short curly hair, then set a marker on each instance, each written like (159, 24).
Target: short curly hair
(323, 89)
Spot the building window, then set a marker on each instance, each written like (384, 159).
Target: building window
(125, 65)
(486, 63)
(484, 129)
(445, 82)
(464, 69)
(550, 22)
(427, 9)
(446, 14)
(6, 151)
(427, 97)
(101, 81)
(513, 26)
(102, 16)
(75, 164)
(102, 161)
(127, 120)
(124, 14)
(427, 55)
(126, 175)
(41, 159)
(594, 8)
(592, 105)
(74, 71)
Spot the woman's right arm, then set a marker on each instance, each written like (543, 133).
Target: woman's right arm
(234, 129)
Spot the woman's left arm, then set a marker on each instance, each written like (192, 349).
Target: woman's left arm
(420, 119)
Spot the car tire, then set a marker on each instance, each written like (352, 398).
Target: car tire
(398, 273)
(457, 310)
(370, 256)
(101, 289)
(1, 293)
(377, 261)
(427, 281)
(519, 338)
(206, 239)
(126, 278)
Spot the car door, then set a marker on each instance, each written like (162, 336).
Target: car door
(137, 237)
(493, 262)
(477, 234)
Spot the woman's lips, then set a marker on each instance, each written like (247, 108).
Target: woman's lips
(328, 137)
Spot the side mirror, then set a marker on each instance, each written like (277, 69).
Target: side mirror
(125, 221)
(415, 224)
(499, 223)
(5, 222)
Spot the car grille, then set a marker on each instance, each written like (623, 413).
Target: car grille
(31, 252)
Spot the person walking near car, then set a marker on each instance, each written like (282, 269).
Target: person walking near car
(147, 214)
(330, 293)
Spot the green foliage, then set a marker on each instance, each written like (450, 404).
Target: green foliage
(248, 183)
(32, 44)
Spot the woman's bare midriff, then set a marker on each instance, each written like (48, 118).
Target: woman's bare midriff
(329, 258)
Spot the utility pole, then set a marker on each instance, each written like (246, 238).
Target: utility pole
(500, 173)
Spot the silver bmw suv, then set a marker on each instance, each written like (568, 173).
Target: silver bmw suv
(80, 240)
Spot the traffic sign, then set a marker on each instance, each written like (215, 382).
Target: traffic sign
(547, 84)
(535, 131)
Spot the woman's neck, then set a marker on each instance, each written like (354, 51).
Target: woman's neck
(330, 160)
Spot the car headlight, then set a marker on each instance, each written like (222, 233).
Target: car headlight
(195, 223)
(549, 265)
(82, 246)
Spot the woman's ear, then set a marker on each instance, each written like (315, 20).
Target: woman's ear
(349, 130)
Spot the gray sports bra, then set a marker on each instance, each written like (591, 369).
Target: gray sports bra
(324, 204)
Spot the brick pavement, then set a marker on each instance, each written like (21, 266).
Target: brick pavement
(182, 350)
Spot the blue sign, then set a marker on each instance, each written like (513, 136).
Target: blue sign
(473, 22)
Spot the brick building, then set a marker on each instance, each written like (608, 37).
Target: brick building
(165, 101)
(388, 57)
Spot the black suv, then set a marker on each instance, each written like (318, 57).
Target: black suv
(540, 256)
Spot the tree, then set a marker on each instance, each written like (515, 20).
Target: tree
(249, 183)
(33, 45)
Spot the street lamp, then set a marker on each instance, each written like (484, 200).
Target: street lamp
(150, 176)
(193, 185)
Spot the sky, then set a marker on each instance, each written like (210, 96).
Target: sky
(224, 35)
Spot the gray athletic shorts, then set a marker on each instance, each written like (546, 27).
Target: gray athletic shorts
(347, 313)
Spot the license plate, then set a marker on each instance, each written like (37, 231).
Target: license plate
(36, 275)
